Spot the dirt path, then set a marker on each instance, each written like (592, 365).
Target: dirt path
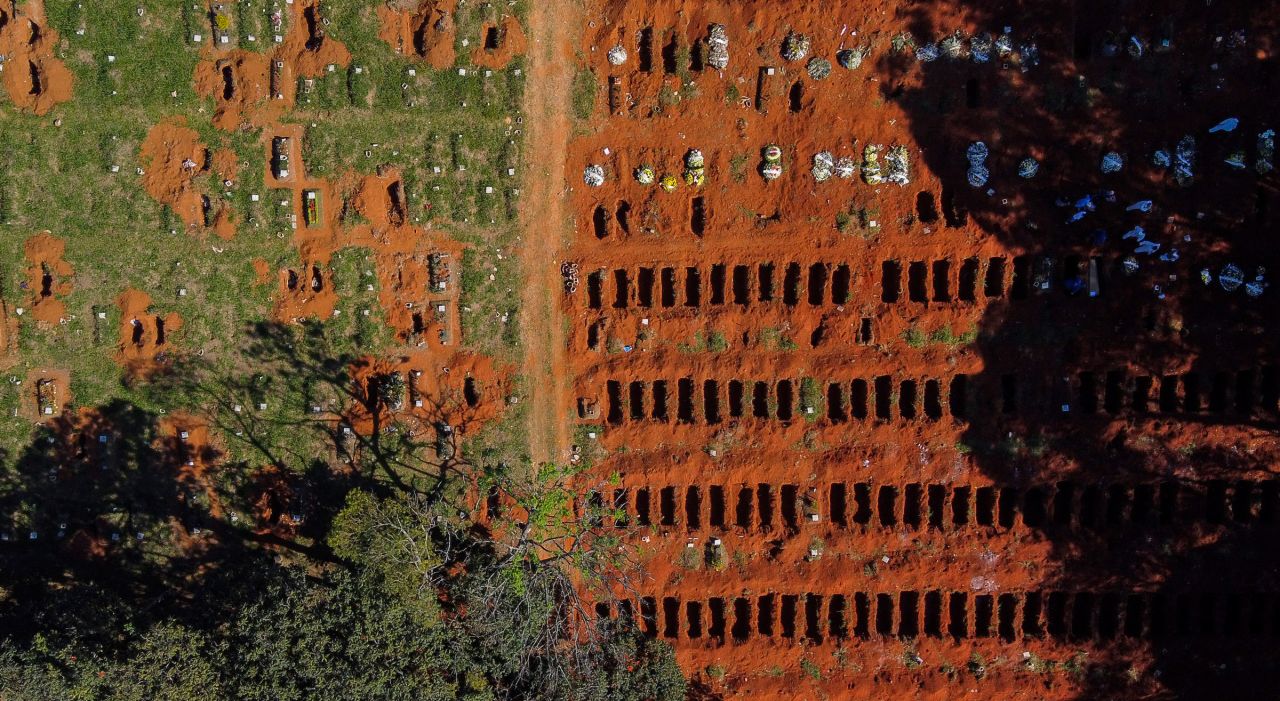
(552, 26)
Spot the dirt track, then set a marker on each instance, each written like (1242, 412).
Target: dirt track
(544, 222)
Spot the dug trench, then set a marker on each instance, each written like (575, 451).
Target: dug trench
(1116, 430)
(1171, 319)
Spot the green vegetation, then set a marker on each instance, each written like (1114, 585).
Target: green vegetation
(584, 94)
(916, 337)
(318, 546)
(811, 669)
(79, 180)
(810, 399)
(774, 339)
(714, 342)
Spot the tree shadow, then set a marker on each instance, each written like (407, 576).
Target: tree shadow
(106, 524)
(1061, 401)
(117, 515)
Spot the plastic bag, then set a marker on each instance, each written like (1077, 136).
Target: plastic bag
(977, 152)
(953, 46)
(1227, 125)
(978, 175)
(1004, 45)
(977, 155)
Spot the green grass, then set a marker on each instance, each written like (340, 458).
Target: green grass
(584, 93)
(133, 71)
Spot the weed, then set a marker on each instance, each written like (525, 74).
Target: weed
(690, 559)
(911, 658)
(945, 336)
(717, 342)
(977, 666)
(1078, 665)
(914, 337)
(1036, 664)
(810, 398)
(811, 669)
(902, 43)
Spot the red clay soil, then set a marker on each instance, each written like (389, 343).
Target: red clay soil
(462, 390)
(757, 354)
(48, 278)
(186, 442)
(145, 338)
(261, 271)
(172, 157)
(420, 305)
(305, 291)
(499, 43)
(35, 79)
(46, 393)
(241, 82)
(422, 308)
(275, 503)
(426, 30)
(225, 164)
(544, 219)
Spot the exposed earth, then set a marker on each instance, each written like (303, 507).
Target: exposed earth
(920, 349)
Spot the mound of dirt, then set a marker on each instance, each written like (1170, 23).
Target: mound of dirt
(255, 89)
(145, 338)
(427, 31)
(48, 277)
(500, 42)
(428, 389)
(34, 78)
(173, 157)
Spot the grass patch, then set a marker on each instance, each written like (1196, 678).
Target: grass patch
(583, 96)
